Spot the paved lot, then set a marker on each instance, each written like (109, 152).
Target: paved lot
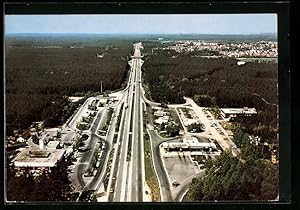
(179, 168)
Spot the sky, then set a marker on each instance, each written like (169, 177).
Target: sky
(143, 24)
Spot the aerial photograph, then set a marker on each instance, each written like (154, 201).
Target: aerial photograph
(141, 108)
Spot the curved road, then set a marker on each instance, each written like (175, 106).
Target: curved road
(164, 184)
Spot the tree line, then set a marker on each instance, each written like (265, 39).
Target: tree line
(53, 186)
(38, 79)
(248, 177)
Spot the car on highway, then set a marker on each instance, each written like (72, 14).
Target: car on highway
(111, 190)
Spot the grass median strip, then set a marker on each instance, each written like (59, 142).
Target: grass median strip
(149, 170)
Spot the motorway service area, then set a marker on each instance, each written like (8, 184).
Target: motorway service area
(111, 159)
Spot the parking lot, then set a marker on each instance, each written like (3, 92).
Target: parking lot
(179, 168)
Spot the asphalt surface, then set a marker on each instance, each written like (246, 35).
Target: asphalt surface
(158, 164)
(93, 184)
(137, 189)
(126, 182)
(120, 169)
(120, 156)
(88, 155)
(184, 187)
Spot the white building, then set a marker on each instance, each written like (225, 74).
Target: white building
(230, 113)
(21, 139)
(191, 144)
(239, 63)
(160, 113)
(29, 158)
(161, 121)
(103, 101)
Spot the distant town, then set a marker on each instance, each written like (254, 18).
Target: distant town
(267, 49)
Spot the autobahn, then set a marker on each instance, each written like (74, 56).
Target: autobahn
(127, 170)
(137, 140)
(127, 178)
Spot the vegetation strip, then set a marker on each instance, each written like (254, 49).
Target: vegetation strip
(151, 178)
(150, 175)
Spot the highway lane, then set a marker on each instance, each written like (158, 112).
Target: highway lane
(137, 167)
(126, 182)
(120, 172)
(164, 184)
(115, 164)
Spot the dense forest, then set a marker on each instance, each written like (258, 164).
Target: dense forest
(249, 177)
(41, 71)
(222, 78)
(220, 82)
(217, 82)
(54, 186)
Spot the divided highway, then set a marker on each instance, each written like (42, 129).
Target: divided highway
(127, 178)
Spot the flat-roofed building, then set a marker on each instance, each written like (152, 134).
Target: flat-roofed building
(161, 121)
(161, 113)
(190, 144)
(30, 158)
(230, 113)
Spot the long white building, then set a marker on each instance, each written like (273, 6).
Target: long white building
(229, 113)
